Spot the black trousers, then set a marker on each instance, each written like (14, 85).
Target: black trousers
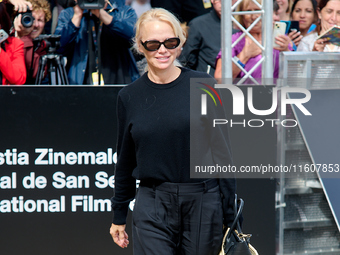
(171, 219)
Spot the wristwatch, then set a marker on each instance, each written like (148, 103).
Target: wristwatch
(239, 61)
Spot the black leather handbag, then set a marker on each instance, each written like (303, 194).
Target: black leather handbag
(234, 241)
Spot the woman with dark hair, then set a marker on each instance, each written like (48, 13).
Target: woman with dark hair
(305, 11)
(329, 15)
(12, 64)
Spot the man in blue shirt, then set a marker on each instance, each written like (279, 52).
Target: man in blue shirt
(97, 43)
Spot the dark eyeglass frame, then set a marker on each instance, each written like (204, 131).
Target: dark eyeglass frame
(160, 44)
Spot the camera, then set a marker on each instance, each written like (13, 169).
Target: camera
(27, 18)
(52, 42)
(91, 4)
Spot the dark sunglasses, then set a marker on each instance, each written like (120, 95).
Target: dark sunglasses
(153, 45)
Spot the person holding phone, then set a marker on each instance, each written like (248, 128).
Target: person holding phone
(12, 64)
(279, 29)
(305, 12)
(246, 52)
(329, 15)
(283, 13)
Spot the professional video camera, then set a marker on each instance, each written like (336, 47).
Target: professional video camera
(83, 4)
(91, 4)
(52, 42)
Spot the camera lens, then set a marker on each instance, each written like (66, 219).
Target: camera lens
(27, 19)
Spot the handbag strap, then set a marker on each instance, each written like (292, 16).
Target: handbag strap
(237, 213)
(235, 206)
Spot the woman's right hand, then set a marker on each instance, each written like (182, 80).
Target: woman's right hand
(282, 42)
(119, 236)
(250, 50)
(320, 44)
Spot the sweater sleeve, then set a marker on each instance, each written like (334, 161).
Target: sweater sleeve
(67, 30)
(222, 155)
(125, 184)
(210, 145)
(123, 22)
(221, 151)
(12, 64)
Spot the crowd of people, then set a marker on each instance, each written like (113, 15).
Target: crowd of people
(96, 44)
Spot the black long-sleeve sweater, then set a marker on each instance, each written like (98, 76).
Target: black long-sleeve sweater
(154, 140)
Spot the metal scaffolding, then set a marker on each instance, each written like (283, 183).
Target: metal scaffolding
(227, 19)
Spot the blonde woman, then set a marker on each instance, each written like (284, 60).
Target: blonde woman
(173, 214)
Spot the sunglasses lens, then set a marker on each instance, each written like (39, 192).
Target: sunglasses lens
(153, 45)
(171, 43)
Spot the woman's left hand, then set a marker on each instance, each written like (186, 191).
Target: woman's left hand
(283, 42)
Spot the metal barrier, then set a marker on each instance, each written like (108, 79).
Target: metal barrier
(312, 70)
(306, 220)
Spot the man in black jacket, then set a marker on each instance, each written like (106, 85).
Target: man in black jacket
(204, 41)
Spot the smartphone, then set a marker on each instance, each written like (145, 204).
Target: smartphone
(287, 25)
(3, 35)
(294, 26)
(279, 29)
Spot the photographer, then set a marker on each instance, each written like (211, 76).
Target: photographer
(33, 27)
(12, 63)
(97, 43)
